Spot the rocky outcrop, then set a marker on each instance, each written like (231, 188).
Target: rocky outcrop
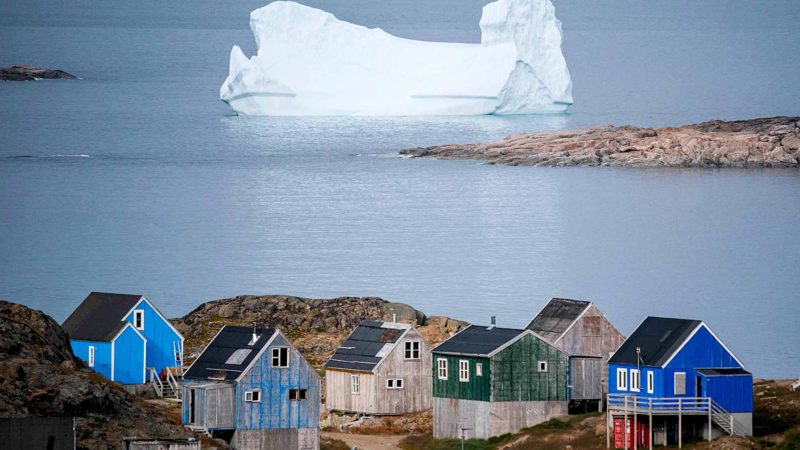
(40, 377)
(28, 73)
(316, 326)
(770, 142)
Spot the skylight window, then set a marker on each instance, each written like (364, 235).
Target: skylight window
(238, 357)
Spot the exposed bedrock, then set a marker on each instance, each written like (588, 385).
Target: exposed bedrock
(765, 142)
(28, 73)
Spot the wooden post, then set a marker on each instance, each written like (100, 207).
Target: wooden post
(608, 428)
(680, 424)
(625, 424)
(709, 418)
(650, 414)
(732, 433)
(635, 430)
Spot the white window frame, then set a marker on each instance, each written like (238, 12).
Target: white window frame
(253, 396)
(138, 319)
(636, 381)
(441, 368)
(355, 384)
(275, 356)
(412, 350)
(651, 382)
(90, 358)
(622, 379)
(542, 366)
(394, 383)
(675, 383)
(479, 369)
(463, 370)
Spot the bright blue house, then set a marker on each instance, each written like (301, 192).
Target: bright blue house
(681, 372)
(123, 336)
(251, 387)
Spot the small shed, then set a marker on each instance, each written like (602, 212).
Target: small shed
(253, 387)
(579, 328)
(123, 336)
(382, 368)
(490, 381)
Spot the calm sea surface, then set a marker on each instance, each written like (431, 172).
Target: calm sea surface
(163, 192)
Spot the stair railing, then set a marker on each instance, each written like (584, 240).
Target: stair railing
(155, 381)
(173, 383)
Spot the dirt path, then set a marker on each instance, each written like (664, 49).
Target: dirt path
(367, 441)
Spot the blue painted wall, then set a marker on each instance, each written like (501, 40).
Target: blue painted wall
(129, 358)
(160, 337)
(102, 355)
(734, 393)
(275, 409)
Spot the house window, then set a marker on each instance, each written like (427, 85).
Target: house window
(636, 381)
(91, 356)
(412, 350)
(253, 396)
(138, 319)
(280, 357)
(441, 365)
(651, 382)
(394, 383)
(542, 366)
(355, 384)
(297, 394)
(463, 370)
(680, 383)
(622, 379)
(478, 370)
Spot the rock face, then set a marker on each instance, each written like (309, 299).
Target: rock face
(40, 377)
(28, 73)
(769, 142)
(316, 326)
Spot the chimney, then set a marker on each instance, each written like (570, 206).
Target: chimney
(494, 320)
(254, 338)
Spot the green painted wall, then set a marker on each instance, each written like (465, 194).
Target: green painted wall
(477, 388)
(516, 376)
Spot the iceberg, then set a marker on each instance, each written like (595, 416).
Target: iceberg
(311, 63)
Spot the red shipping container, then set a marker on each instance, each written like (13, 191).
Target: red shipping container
(642, 435)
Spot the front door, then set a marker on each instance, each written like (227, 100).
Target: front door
(698, 389)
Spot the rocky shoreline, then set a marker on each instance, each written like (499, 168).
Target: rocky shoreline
(765, 142)
(29, 73)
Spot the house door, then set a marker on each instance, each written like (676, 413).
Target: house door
(191, 406)
(698, 389)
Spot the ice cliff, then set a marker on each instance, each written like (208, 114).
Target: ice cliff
(311, 63)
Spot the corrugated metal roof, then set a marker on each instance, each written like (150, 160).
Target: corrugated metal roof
(723, 372)
(657, 338)
(367, 345)
(213, 362)
(554, 319)
(99, 316)
(477, 340)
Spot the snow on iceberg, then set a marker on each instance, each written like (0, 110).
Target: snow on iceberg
(311, 63)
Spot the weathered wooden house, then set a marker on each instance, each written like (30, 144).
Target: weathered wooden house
(123, 336)
(253, 388)
(489, 381)
(580, 329)
(382, 368)
(674, 379)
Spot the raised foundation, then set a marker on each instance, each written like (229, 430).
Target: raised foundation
(486, 419)
(276, 439)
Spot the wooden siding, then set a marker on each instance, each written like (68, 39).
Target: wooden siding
(213, 404)
(591, 335)
(275, 410)
(585, 378)
(487, 419)
(161, 337)
(277, 439)
(373, 396)
(515, 374)
(478, 388)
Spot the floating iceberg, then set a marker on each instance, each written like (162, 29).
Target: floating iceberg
(311, 63)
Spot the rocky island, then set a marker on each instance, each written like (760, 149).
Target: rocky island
(765, 142)
(29, 73)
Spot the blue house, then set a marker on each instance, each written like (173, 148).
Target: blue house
(679, 371)
(252, 387)
(123, 336)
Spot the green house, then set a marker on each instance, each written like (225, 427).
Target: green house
(489, 381)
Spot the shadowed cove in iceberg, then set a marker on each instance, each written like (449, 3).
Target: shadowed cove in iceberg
(311, 63)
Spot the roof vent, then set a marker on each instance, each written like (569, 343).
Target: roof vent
(494, 320)
(253, 339)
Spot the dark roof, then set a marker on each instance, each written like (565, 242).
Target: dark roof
(658, 338)
(99, 316)
(556, 317)
(723, 371)
(478, 340)
(367, 345)
(213, 364)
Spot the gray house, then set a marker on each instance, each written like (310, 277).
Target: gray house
(382, 368)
